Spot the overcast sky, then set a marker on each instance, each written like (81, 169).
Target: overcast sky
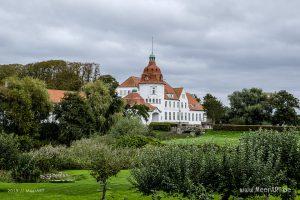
(202, 45)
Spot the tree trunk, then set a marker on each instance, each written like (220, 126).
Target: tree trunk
(104, 190)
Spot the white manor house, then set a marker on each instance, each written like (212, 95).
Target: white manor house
(166, 104)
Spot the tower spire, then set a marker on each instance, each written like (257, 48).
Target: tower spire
(152, 46)
(152, 56)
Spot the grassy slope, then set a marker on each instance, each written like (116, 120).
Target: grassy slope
(220, 138)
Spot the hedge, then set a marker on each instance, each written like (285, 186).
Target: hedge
(161, 126)
(231, 127)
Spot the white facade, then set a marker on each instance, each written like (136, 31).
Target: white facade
(180, 107)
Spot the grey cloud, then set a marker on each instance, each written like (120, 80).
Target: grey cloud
(206, 46)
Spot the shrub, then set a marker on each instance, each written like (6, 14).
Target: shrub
(135, 141)
(26, 170)
(161, 126)
(262, 159)
(5, 176)
(49, 158)
(8, 151)
(168, 169)
(230, 127)
(128, 126)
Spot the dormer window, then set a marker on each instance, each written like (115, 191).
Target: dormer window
(170, 96)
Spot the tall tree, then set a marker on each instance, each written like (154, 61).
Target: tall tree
(24, 105)
(117, 105)
(285, 105)
(214, 108)
(250, 106)
(137, 110)
(75, 118)
(99, 100)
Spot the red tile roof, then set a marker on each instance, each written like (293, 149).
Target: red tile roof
(152, 74)
(193, 103)
(131, 82)
(169, 90)
(178, 91)
(56, 95)
(136, 99)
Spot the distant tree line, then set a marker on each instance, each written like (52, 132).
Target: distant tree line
(254, 107)
(57, 74)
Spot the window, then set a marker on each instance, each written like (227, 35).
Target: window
(189, 116)
(159, 101)
(156, 100)
(185, 105)
(170, 116)
(192, 116)
(146, 100)
(183, 96)
(153, 90)
(166, 116)
(185, 116)
(174, 116)
(177, 104)
(178, 117)
(181, 105)
(149, 100)
(170, 104)
(166, 103)
(153, 100)
(181, 116)
(174, 104)
(196, 117)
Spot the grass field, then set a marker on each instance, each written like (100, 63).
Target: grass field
(220, 138)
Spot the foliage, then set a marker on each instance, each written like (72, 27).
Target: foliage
(76, 119)
(285, 105)
(231, 127)
(214, 108)
(8, 71)
(137, 110)
(135, 141)
(116, 107)
(59, 177)
(161, 126)
(104, 165)
(49, 158)
(26, 169)
(5, 176)
(8, 151)
(24, 104)
(167, 169)
(128, 126)
(98, 100)
(262, 159)
(250, 106)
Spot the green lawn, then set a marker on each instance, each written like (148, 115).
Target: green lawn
(217, 137)
(85, 187)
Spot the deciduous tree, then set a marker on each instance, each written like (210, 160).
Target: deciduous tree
(213, 107)
(285, 105)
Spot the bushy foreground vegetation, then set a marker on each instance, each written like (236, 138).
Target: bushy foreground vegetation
(264, 159)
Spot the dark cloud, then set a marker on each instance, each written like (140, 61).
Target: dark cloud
(205, 46)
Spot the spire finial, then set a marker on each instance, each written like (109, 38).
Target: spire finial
(152, 46)
(152, 56)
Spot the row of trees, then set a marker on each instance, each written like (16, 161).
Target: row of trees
(254, 106)
(57, 74)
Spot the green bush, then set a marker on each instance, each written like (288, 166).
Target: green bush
(5, 176)
(8, 151)
(128, 126)
(135, 141)
(231, 127)
(26, 170)
(49, 158)
(262, 159)
(161, 126)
